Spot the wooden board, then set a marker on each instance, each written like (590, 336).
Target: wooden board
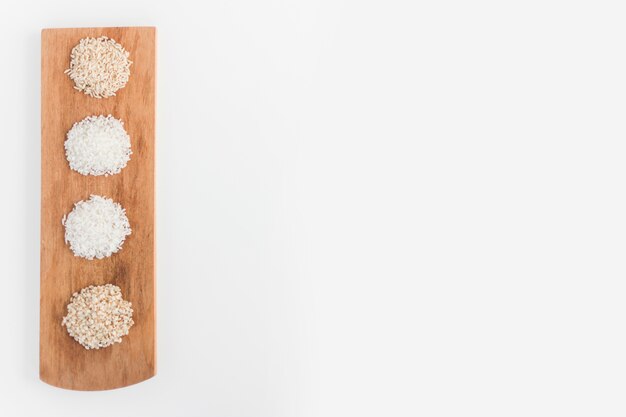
(63, 362)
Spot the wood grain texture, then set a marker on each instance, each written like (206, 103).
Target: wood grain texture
(63, 362)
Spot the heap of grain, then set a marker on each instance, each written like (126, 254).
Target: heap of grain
(98, 316)
(99, 67)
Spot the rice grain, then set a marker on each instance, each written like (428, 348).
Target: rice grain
(99, 67)
(96, 228)
(98, 145)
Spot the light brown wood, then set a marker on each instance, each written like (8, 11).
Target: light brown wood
(63, 362)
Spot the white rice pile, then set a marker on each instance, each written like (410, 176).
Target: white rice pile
(98, 316)
(99, 67)
(98, 145)
(96, 228)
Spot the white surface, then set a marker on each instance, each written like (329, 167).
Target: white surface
(364, 209)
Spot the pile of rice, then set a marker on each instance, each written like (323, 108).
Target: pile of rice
(99, 67)
(96, 228)
(98, 145)
(98, 316)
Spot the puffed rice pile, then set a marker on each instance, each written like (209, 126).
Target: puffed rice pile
(96, 228)
(98, 316)
(98, 145)
(99, 67)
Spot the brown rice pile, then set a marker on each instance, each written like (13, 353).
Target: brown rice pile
(99, 67)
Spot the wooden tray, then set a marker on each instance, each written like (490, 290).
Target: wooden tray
(63, 362)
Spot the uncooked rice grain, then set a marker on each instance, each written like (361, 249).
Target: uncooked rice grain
(99, 67)
(98, 316)
(96, 228)
(98, 145)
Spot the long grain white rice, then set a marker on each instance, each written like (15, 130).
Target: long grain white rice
(96, 228)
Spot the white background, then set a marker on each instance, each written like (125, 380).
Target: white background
(365, 208)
